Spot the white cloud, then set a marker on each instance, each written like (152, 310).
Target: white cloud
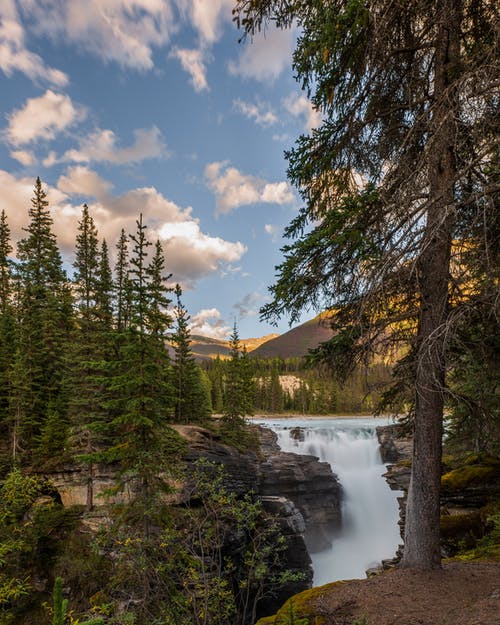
(190, 253)
(233, 189)
(83, 181)
(262, 114)
(15, 57)
(300, 107)
(100, 146)
(207, 16)
(193, 62)
(272, 230)
(42, 118)
(122, 31)
(208, 322)
(265, 56)
(25, 157)
(277, 193)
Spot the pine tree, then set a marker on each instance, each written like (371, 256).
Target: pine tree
(122, 283)
(395, 182)
(104, 291)
(45, 314)
(90, 349)
(235, 404)
(8, 338)
(140, 388)
(191, 397)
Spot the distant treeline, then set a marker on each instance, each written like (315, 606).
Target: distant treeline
(290, 385)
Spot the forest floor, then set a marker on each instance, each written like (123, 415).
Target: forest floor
(461, 593)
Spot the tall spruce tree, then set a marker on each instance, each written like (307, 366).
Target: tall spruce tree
(235, 404)
(400, 168)
(8, 338)
(192, 401)
(90, 349)
(122, 282)
(140, 388)
(45, 314)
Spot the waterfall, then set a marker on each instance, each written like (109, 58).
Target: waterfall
(369, 530)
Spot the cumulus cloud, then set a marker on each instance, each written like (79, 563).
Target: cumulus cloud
(122, 31)
(233, 189)
(193, 62)
(15, 56)
(82, 181)
(260, 113)
(101, 146)
(300, 107)
(209, 322)
(25, 157)
(248, 306)
(191, 253)
(42, 118)
(265, 56)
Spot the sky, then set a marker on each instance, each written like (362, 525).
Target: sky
(156, 107)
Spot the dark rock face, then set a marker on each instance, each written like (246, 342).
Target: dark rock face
(396, 448)
(295, 555)
(241, 469)
(393, 446)
(310, 484)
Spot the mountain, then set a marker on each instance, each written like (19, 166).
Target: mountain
(296, 342)
(204, 347)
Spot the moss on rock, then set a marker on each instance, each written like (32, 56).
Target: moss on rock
(302, 606)
(470, 475)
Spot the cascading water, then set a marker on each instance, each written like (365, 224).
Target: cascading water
(369, 530)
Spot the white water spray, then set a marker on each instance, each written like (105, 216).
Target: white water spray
(369, 531)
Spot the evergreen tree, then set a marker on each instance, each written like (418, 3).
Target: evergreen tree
(142, 396)
(235, 404)
(192, 403)
(45, 320)
(122, 283)
(158, 317)
(86, 266)
(8, 338)
(104, 291)
(395, 181)
(275, 390)
(90, 349)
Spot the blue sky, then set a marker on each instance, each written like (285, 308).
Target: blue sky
(153, 106)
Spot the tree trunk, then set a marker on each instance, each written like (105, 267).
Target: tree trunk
(422, 544)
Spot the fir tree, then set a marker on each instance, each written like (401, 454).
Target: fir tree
(90, 349)
(191, 394)
(235, 404)
(8, 337)
(45, 319)
(122, 282)
(140, 388)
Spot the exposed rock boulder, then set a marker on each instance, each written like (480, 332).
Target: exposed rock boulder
(397, 448)
(295, 556)
(394, 445)
(306, 481)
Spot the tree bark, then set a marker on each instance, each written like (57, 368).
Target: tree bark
(422, 544)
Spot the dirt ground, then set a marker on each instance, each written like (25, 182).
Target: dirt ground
(462, 593)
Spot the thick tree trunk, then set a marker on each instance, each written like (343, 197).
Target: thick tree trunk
(422, 544)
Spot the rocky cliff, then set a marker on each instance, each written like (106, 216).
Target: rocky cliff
(299, 491)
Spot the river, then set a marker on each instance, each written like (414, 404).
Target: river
(369, 531)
